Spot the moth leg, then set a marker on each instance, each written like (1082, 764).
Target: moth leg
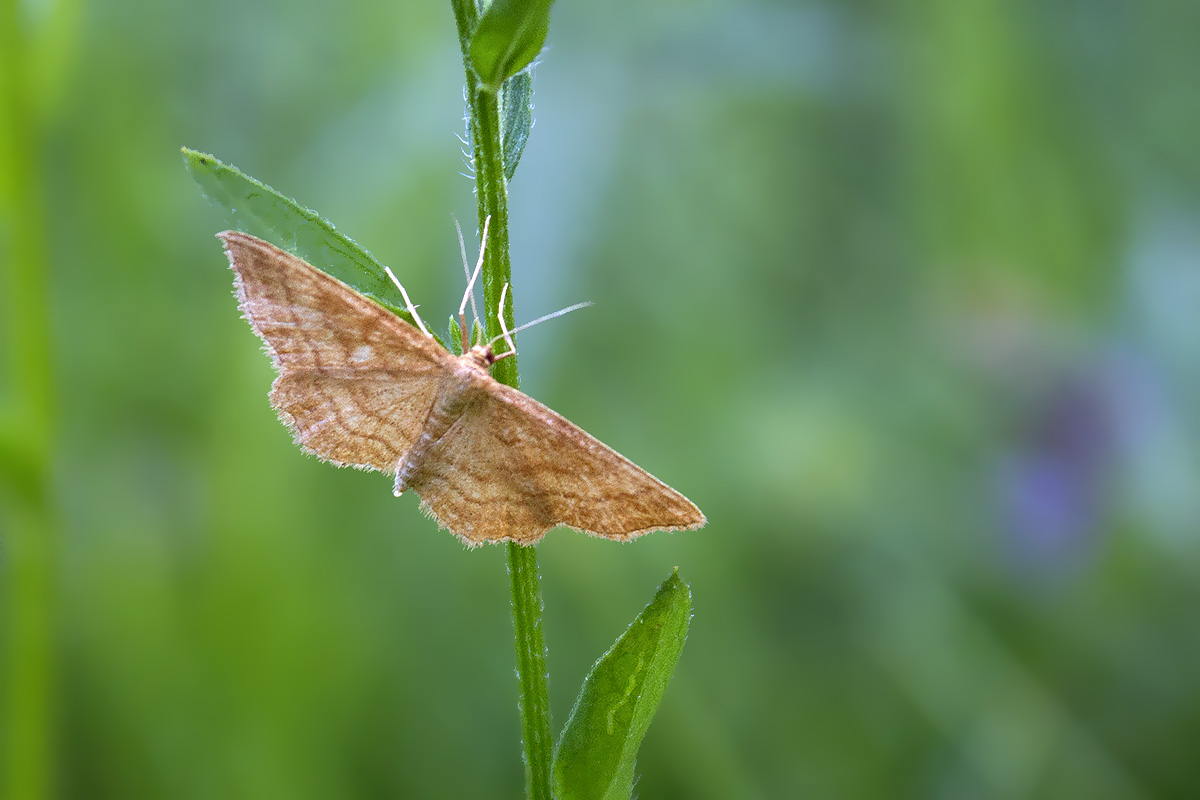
(400, 486)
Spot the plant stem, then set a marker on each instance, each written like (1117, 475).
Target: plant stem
(492, 197)
(531, 670)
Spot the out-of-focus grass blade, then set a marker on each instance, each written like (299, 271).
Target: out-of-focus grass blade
(18, 465)
(597, 753)
(509, 36)
(257, 209)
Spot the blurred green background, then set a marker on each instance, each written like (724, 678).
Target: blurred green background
(906, 296)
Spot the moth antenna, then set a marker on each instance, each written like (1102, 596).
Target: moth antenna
(487, 222)
(507, 335)
(462, 307)
(408, 303)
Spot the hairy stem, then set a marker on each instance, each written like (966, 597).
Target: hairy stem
(492, 197)
(536, 737)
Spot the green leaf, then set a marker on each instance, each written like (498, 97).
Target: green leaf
(597, 753)
(508, 38)
(257, 209)
(455, 336)
(516, 119)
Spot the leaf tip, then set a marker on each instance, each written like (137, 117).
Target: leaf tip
(196, 158)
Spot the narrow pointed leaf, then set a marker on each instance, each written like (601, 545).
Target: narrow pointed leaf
(255, 208)
(455, 336)
(516, 119)
(508, 38)
(597, 753)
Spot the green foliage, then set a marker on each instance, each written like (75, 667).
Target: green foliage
(597, 753)
(508, 38)
(516, 119)
(455, 336)
(255, 208)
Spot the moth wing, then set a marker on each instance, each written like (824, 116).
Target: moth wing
(355, 381)
(511, 469)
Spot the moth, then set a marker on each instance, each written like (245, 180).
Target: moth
(359, 386)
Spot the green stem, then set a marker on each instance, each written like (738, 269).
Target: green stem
(531, 670)
(492, 197)
(27, 568)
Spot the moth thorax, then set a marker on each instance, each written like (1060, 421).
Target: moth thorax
(482, 356)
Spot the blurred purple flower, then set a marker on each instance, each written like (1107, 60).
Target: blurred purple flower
(1052, 482)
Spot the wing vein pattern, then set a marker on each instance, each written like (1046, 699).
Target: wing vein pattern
(511, 469)
(355, 382)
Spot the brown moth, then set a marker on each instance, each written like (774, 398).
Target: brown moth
(359, 386)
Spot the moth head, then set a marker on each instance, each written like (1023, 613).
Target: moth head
(483, 355)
